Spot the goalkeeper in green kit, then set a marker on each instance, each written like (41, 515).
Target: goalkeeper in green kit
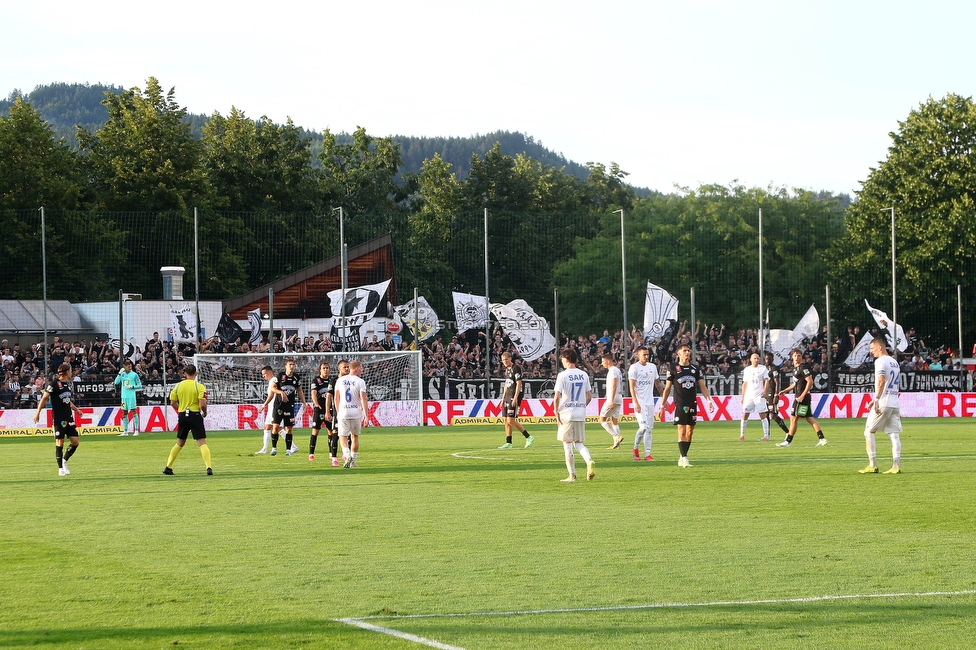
(129, 381)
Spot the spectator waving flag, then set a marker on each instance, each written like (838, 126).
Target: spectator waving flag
(228, 330)
(660, 320)
(426, 318)
(884, 324)
(470, 311)
(809, 325)
(861, 353)
(526, 329)
(355, 309)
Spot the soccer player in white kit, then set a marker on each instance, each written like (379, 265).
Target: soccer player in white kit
(267, 373)
(754, 385)
(885, 413)
(614, 403)
(643, 379)
(352, 409)
(572, 394)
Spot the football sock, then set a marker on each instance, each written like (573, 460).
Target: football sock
(508, 440)
(274, 440)
(895, 447)
(616, 430)
(205, 452)
(71, 451)
(312, 439)
(525, 433)
(570, 458)
(333, 444)
(58, 453)
(765, 426)
(135, 418)
(742, 427)
(607, 427)
(289, 440)
(820, 434)
(789, 438)
(781, 423)
(869, 444)
(648, 439)
(354, 455)
(683, 448)
(173, 453)
(584, 452)
(637, 438)
(267, 439)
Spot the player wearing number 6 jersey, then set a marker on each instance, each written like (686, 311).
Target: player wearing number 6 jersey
(885, 413)
(570, 398)
(352, 410)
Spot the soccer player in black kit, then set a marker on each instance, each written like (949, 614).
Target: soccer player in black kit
(772, 395)
(58, 391)
(803, 384)
(324, 414)
(686, 379)
(290, 386)
(511, 399)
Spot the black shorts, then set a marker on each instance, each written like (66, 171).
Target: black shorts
(802, 409)
(510, 409)
(318, 420)
(190, 422)
(284, 415)
(686, 414)
(65, 429)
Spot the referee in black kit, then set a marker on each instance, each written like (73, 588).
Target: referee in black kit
(189, 398)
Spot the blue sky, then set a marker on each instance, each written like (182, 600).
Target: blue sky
(678, 93)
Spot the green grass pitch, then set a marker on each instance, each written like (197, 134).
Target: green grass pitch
(444, 540)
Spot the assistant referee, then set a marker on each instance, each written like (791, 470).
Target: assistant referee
(189, 398)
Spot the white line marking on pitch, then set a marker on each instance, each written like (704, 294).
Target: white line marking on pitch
(358, 622)
(361, 622)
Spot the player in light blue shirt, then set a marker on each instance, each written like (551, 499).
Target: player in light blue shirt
(129, 381)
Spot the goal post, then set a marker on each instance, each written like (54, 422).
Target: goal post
(394, 380)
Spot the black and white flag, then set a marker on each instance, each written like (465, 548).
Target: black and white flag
(423, 314)
(254, 320)
(354, 310)
(660, 320)
(184, 324)
(228, 330)
(884, 324)
(470, 311)
(526, 329)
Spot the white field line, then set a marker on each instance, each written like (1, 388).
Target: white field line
(362, 621)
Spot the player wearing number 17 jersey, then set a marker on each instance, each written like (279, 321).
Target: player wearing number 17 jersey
(885, 413)
(571, 395)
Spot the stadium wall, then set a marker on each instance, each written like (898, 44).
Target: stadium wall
(159, 419)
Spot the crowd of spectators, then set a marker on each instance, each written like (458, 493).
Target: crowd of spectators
(462, 357)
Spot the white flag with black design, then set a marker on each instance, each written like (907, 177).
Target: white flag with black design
(184, 324)
(861, 354)
(809, 325)
(350, 314)
(660, 320)
(418, 317)
(254, 320)
(525, 328)
(884, 324)
(470, 311)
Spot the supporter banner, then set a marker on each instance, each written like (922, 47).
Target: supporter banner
(470, 311)
(184, 324)
(419, 315)
(352, 311)
(526, 329)
(922, 381)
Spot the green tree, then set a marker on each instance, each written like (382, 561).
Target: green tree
(35, 169)
(145, 157)
(258, 165)
(929, 177)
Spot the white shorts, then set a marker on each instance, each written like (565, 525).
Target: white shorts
(889, 420)
(757, 405)
(571, 432)
(350, 427)
(645, 419)
(611, 410)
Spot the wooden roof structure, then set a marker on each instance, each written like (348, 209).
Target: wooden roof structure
(304, 294)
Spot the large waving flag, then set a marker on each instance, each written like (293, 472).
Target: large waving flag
(884, 324)
(660, 320)
(254, 320)
(184, 324)
(526, 329)
(419, 317)
(861, 353)
(351, 312)
(470, 311)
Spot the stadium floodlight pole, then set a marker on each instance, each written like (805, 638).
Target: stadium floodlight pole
(123, 298)
(44, 282)
(343, 271)
(962, 384)
(690, 329)
(271, 319)
(555, 313)
(196, 274)
(416, 319)
(894, 301)
(487, 319)
(828, 344)
(623, 281)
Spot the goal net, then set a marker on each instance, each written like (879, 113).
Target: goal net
(393, 379)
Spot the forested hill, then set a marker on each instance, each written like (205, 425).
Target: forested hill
(66, 105)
